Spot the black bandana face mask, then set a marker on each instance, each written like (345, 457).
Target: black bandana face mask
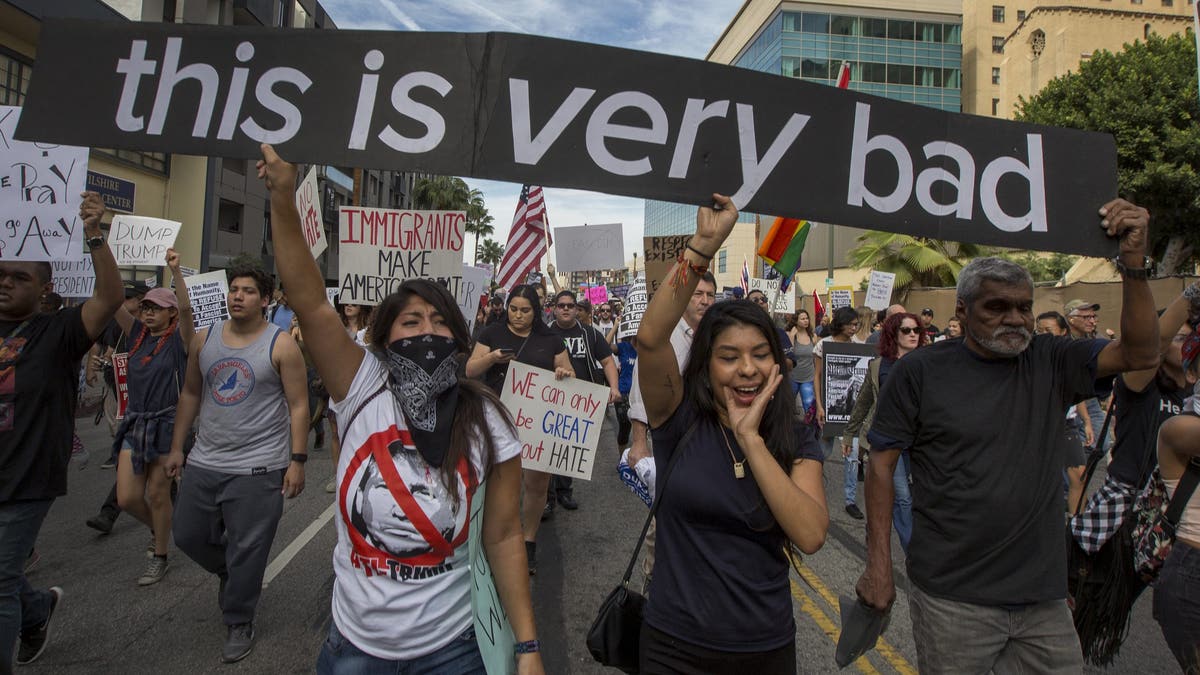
(423, 377)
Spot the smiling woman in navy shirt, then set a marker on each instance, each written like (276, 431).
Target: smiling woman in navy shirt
(746, 484)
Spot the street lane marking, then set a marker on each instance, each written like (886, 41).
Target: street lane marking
(827, 625)
(285, 556)
(885, 649)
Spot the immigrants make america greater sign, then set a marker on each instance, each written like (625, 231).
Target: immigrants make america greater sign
(536, 110)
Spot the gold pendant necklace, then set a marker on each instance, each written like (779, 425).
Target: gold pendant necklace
(739, 468)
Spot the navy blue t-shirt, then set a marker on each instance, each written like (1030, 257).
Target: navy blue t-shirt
(720, 574)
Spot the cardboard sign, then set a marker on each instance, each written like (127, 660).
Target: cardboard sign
(590, 247)
(535, 110)
(378, 249)
(840, 296)
(661, 255)
(493, 633)
(635, 307)
(120, 364)
(558, 421)
(40, 184)
(845, 370)
(474, 284)
(879, 293)
(74, 279)
(208, 294)
(782, 302)
(141, 240)
(308, 203)
(597, 295)
(331, 294)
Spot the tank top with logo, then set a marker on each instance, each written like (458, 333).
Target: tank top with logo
(244, 422)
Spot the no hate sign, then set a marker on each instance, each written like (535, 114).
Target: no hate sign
(558, 421)
(535, 110)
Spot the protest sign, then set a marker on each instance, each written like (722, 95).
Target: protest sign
(141, 240)
(120, 362)
(474, 284)
(378, 249)
(331, 294)
(150, 282)
(840, 296)
(661, 255)
(558, 421)
(208, 294)
(535, 110)
(597, 295)
(74, 279)
(590, 247)
(879, 293)
(40, 185)
(782, 302)
(845, 369)
(188, 271)
(618, 291)
(308, 203)
(117, 194)
(493, 633)
(635, 307)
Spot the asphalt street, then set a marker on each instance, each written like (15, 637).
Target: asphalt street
(107, 624)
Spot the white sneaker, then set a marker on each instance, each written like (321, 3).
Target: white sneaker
(156, 569)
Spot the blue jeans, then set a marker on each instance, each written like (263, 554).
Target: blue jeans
(851, 473)
(902, 504)
(339, 656)
(21, 606)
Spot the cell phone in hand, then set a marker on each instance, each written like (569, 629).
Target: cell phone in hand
(507, 352)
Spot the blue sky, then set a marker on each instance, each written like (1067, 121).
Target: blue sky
(677, 28)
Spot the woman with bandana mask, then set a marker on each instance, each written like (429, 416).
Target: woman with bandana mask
(418, 440)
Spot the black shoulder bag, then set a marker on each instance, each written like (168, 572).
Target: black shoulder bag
(615, 633)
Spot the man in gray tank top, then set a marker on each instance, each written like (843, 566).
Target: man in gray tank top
(246, 381)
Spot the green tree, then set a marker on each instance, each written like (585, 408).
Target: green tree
(1043, 268)
(479, 222)
(916, 261)
(491, 253)
(441, 193)
(1146, 98)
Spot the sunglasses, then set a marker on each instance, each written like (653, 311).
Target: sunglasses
(566, 305)
(761, 301)
(908, 330)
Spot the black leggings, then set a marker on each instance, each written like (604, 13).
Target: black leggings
(661, 654)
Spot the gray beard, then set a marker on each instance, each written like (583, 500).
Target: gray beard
(997, 345)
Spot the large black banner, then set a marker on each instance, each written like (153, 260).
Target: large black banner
(567, 114)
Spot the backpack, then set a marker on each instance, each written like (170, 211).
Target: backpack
(1155, 518)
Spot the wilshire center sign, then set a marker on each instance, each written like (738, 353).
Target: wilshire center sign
(551, 112)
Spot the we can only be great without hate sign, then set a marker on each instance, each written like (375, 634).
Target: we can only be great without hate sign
(544, 111)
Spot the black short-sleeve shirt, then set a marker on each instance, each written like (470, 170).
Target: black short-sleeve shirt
(1139, 415)
(720, 574)
(987, 458)
(587, 348)
(39, 377)
(536, 349)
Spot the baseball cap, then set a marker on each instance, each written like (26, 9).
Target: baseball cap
(161, 297)
(1077, 304)
(928, 311)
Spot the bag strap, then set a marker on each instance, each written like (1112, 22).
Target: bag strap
(1094, 459)
(662, 488)
(1183, 493)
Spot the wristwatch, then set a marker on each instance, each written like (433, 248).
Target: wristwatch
(94, 242)
(1139, 273)
(299, 458)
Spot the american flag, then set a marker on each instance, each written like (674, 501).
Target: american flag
(745, 277)
(527, 240)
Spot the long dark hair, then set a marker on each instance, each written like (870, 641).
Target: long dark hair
(889, 334)
(528, 292)
(470, 416)
(776, 425)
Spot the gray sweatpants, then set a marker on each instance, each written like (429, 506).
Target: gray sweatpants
(226, 523)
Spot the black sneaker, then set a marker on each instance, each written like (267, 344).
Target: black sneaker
(854, 511)
(221, 580)
(33, 641)
(567, 501)
(531, 556)
(238, 643)
(102, 523)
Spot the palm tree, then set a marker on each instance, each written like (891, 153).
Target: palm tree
(479, 222)
(491, 253)
(441, 193)
(916, 261)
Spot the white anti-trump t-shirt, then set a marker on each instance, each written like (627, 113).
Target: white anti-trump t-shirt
(403, 587)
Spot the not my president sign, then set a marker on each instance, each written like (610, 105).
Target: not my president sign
(536, 110)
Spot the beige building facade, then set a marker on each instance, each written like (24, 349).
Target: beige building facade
(1013, 48)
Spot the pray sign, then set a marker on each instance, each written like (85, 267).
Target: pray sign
(536, 110)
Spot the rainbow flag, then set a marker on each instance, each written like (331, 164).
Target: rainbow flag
(784, 245)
